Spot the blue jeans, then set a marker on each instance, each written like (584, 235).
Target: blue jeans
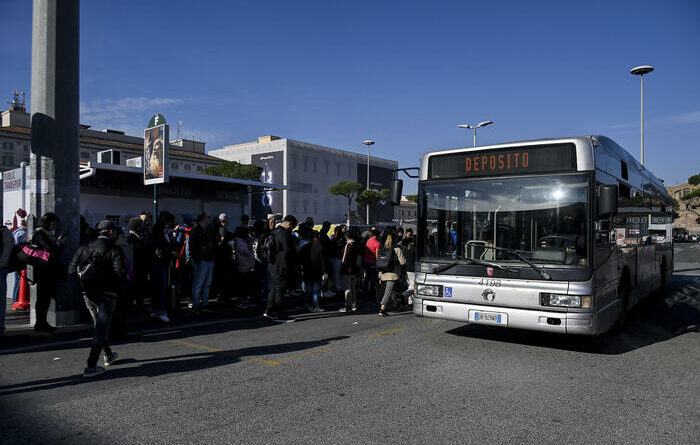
(3, 292)
(15, 292)
(313, 292)
(337, 280)
(101, 309)
(201, 283)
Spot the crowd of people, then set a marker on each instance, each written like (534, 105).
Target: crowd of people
(206, 262)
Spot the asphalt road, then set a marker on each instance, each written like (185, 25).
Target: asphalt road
(352, 379)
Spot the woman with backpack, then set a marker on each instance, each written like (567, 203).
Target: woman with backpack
(390, 258)
(47, 276)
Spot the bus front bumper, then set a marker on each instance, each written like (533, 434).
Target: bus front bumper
(532, 319)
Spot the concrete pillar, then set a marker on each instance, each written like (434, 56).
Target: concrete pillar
(55, 185)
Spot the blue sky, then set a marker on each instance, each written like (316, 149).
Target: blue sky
(403, 73)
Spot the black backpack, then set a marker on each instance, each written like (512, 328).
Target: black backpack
(386, 258)
(89, 270)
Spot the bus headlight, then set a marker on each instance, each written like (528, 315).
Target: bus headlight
(429, 290)
(560, 300)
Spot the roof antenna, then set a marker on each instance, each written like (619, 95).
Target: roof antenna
(17, 103)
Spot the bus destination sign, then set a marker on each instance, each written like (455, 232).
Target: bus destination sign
(504, 161)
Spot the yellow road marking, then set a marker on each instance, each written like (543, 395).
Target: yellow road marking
(196, 346)
(289, 357)
(262, 360)
(256, 359)
(389, 332)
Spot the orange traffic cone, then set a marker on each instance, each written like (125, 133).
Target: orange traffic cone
(23, 298)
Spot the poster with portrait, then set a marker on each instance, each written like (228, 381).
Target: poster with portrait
(268, 202)
(155, 153)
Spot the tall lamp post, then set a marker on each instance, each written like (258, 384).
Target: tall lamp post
(474, 127)
(368, 143)
(641, 71)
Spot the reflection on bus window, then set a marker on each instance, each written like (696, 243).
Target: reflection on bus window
(544, 218)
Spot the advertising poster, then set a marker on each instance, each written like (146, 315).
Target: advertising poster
(155, 152)
(265, 203)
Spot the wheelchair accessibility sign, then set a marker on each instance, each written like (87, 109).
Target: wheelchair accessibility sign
(447, 293)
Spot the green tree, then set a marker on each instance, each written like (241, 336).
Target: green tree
(373, 198)
(676, 208)
(384, 195)
(692, 199)
(235, 170)
(412, 198)
(348, 190)
(367, 198)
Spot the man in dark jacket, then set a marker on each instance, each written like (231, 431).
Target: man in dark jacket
(285, 263)
(201, 254)
(101, 292)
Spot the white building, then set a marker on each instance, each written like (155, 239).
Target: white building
(309, 170)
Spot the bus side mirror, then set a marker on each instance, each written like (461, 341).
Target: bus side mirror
(396, 189)
(607, 201)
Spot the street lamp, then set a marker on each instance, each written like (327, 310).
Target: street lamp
(368, 143)
(474, 127)
(641, 71)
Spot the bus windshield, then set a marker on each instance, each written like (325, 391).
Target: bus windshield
(544, 218)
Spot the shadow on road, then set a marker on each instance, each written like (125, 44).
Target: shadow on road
(670, 312)
(169, 365)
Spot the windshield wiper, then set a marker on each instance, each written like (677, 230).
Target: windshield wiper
(543, 273)
(444, 267)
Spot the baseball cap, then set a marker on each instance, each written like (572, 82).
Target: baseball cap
(106, 225)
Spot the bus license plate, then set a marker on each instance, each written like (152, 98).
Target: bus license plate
(488, 317)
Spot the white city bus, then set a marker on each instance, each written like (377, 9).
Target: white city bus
(557, 235)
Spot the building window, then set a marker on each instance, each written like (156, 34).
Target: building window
(26, 148)
(337, 164)
(294, 162)
(315, 165)
(199, 168)
(188, 167)
(349, 170)
(84, 155)
(7, 146)
(306, 206)
(8, 161)
(306, 164)
(174, 165)
(328, 163)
